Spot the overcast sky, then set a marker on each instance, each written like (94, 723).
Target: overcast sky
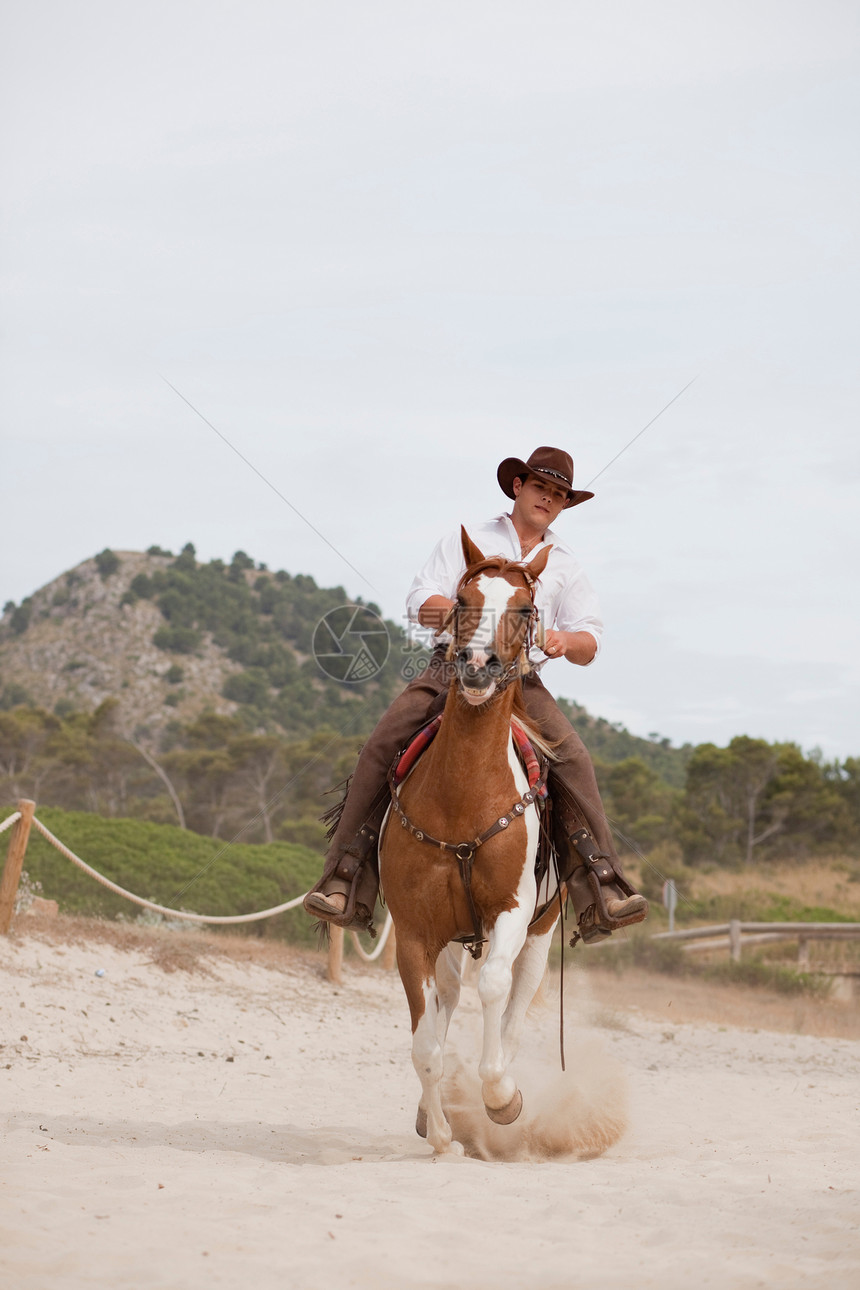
(381, 246)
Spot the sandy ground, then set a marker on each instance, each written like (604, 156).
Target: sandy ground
(250, 1126)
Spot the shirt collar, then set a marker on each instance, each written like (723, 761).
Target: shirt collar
(549, 537)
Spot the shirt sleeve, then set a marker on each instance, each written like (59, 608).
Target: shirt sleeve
(578, 610)
(439, 576)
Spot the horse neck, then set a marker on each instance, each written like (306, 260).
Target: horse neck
(471, 738)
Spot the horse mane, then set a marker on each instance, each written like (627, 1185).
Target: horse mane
(535, 737)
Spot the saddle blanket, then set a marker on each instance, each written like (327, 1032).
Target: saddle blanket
(422, 741)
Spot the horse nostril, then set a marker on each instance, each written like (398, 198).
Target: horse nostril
(493, 664)
(463, 657)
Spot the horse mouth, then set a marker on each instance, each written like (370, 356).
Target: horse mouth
(475, 696)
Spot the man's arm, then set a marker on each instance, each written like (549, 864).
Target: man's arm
(434, 611)
(576, 647)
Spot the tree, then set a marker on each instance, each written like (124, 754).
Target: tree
(752, 797)
(107, 562)
(260, 772)
(638, 802)
(25, 734)
(725, 811)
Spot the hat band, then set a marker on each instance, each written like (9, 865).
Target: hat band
(545, 470)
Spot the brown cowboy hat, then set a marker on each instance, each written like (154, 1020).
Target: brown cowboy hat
(549, 464)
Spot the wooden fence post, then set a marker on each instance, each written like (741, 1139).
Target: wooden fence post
(335, 955)
(15, 862)
(735, 939)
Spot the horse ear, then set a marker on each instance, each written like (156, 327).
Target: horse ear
(471, 553)
(538, 564)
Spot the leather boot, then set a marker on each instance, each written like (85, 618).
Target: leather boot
(603, 899)
(355, 876)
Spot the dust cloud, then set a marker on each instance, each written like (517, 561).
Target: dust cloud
(575, 1114)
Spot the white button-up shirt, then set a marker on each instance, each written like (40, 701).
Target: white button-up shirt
(565, 599)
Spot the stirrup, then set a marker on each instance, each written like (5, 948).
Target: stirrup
(358, 919)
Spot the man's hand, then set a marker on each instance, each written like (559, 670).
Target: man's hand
(434, 612)
(576, 647)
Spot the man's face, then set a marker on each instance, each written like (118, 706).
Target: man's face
(538, 503)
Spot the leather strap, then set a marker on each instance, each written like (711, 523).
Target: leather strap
(464, 852)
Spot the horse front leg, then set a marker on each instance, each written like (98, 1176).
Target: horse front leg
(419, 982)
(448, 988)
(448, 996)
(502, 1099)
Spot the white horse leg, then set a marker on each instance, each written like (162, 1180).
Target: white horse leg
(427, 1060)
(528, 973)
(448, 996)
(506, 939)
(499, 1089)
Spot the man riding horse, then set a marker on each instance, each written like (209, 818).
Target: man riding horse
(603, 900)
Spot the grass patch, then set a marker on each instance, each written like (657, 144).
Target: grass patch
(758, 906)
(172, 867)
(668, 958)
(771, 976)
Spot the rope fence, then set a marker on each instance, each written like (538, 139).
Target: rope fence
(150, 904)
(14, 863)
(707, 938)
(383, 941)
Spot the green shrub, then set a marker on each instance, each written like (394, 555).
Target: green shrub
(172, 867)
(107, 562)
(177, 640)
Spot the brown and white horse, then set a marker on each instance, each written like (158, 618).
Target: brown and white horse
(468, 783)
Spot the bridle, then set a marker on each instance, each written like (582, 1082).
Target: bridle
(519, 666)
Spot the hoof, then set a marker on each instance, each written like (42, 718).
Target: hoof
(506, 1114)
(421, 1122)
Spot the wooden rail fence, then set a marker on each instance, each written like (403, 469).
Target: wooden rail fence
(735, 934)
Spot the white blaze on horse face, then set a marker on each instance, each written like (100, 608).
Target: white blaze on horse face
(497, 593)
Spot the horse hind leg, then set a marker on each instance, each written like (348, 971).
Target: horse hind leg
(427, 1050)
(528, 972)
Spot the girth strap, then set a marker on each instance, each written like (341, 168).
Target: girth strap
(464, 852)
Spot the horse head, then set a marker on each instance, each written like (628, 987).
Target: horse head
(491, 620)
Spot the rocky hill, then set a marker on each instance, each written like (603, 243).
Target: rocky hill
(169, 638)
(231, 699)
(78, 641)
